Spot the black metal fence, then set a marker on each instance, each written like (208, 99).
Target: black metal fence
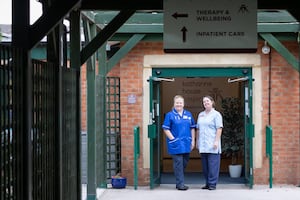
(52, 152)
(11, 129)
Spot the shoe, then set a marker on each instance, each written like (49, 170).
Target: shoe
(184, 187)
(211, 188)
(205, 187)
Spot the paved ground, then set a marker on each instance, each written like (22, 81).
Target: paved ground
(223, 192)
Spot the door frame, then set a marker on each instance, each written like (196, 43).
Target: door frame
(214, 73)
(253, 61)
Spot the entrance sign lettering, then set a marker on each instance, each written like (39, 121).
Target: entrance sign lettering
(210, 26)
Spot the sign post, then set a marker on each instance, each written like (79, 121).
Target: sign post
(210, 26)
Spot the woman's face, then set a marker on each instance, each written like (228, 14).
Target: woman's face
(179, 104)
(207, 103)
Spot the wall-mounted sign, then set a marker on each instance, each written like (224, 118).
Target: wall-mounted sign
(210, 25)
(131, 99)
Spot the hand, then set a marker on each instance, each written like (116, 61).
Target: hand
(216, 144)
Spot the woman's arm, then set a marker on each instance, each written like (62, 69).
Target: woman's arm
(193, 138)
(217, 138)
(169, 134)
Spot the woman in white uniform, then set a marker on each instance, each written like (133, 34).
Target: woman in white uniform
(208, 142)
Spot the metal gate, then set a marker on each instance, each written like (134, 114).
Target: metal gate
(45, 161)
(44, 146)
(11, 164)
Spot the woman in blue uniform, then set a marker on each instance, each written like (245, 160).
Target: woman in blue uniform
(179, 127)
(208, 142)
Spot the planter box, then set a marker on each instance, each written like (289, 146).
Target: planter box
(119, 182)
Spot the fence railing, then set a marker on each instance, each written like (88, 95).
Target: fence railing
(52, 150)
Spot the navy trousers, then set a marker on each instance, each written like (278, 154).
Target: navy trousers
(211, 168)
(180, 162)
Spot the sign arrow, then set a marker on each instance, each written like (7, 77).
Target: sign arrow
(184, 30)
(176, 15)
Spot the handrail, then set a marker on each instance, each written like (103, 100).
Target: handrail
(269, 136)
(136, 154)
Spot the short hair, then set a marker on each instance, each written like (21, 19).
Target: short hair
(178, 97)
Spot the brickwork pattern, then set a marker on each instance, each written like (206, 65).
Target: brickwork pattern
(284, 112)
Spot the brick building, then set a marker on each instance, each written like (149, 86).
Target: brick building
(274, 102)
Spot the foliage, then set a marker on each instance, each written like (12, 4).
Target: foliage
(233, 130)
(118, 176)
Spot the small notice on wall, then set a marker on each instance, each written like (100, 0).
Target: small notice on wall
(131, 99)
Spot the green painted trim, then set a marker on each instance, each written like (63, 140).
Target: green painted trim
(263, 16)
(201, 72)
(132, 42)
(105, 34)
(136, 132)
(104, 17)
(267, 21)
(152, 37)
(89, 34)
(281, 49)
(102, 60)
(89, 16)
(91, 197)
(278, 28)
(91, 133)
(141, 28)
(209, 72)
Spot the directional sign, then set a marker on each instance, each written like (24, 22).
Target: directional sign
(210, 25)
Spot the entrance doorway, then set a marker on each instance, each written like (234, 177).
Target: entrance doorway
(214, 82)
(193, 89)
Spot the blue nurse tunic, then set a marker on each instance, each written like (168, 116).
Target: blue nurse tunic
(180, 127)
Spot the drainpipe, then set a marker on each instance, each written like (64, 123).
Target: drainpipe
(298, 40)
(270, 113)
(270, 86)
(267, 50)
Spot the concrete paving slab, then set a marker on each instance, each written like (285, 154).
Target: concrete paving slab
(223, 192)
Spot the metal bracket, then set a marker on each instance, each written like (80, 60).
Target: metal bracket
(246, 78)
(163, 79)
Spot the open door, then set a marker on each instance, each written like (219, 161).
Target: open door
(153, 132)
(249, 133)
(249, 128)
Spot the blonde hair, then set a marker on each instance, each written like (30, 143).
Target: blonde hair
(178, 97)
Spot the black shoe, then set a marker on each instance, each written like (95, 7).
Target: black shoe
(205, 187)
(184, 187)
(211, 188)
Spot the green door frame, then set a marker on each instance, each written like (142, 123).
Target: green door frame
(154, 132)
(230, 72)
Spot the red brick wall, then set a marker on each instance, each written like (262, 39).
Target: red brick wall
(284, 119)
(115, 72)
(83, 98)
(131, 73)
(284, 113)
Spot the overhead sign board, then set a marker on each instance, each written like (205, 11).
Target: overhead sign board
(210, 25)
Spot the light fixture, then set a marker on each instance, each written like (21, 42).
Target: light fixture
(265, 49)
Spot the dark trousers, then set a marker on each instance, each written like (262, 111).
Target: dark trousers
(211, 168)
(180, 162)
